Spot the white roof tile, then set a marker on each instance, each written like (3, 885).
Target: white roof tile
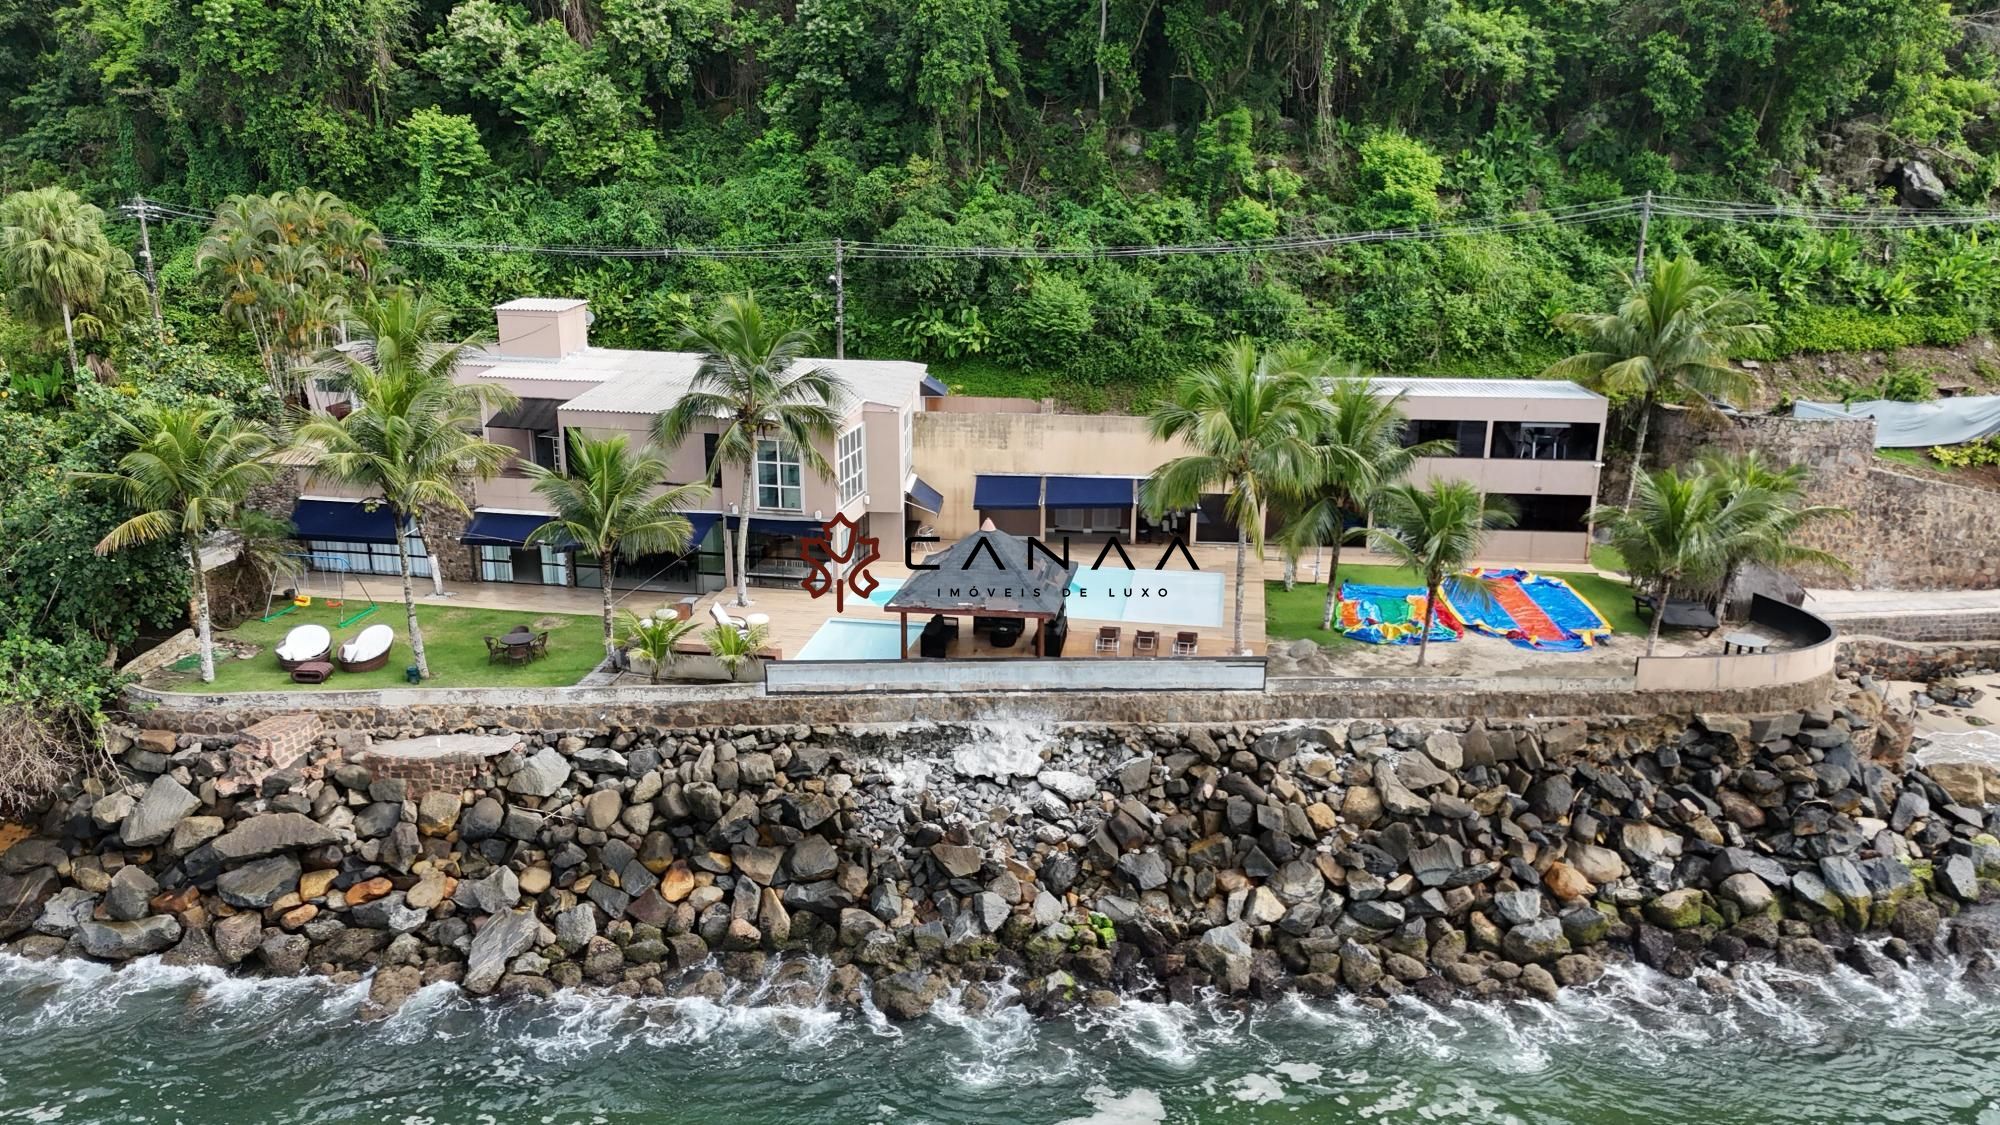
(645, 382)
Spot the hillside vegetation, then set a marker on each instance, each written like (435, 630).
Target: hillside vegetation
(1051, 123)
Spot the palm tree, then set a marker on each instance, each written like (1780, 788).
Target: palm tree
(605, 504)
(1671, 339)
(58, 266)
(1780, 513)
(187, 474)
(404, 333)
(1680, 531)
(752, 383)
(409, 439)
(1357, 450)
(736, 649)
(1436, 531)
(656, 638)
(1250, 417)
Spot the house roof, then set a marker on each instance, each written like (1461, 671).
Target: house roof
(539, 304)
(1422, 387)
(642, 382)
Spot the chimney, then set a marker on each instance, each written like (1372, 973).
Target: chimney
(542, 327)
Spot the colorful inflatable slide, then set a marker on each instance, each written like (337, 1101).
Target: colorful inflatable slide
(1392, 615)
(1529, 610)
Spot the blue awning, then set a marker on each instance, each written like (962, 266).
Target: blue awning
(781, 525)
(1007, 494)
(347, 521)
(934, 387)
(501, 529)
(703, 523)
(924, 496)
(1090, 492)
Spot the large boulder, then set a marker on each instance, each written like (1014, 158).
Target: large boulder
(541, 775)
(22, 896)
(502, 939)
(122, 941)
(271, 833)
(258, 884)
(1540, 940)
(1224, 953)
(163, 807)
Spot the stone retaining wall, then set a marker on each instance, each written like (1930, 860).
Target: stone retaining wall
(1889, 659)
(1929, 627)
(744, 704)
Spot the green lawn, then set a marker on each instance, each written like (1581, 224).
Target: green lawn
(1295, 614)
(454, 641)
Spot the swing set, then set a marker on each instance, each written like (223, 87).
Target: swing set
(322, 578)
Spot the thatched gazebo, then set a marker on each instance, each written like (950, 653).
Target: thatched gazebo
(987, 574)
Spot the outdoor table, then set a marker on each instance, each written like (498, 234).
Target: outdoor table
(312, 672)
(518, 642)
(757, 619)
(1745, 643)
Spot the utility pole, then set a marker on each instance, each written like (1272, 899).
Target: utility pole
(839, 280)
(146, 259)
(1645, 221)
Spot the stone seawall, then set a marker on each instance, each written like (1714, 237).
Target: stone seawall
(1489, 857)
(734, 705)
(1905, 660)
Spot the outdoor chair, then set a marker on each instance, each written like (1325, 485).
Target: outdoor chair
(1146, 642)
(495, 651)
(1005, 632)
(539, 647)
(1107, 640)
(1186, 642)
(723, 620)
(302, 644)
(367, 651)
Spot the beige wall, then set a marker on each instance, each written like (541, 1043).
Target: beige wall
(1467, 409)
(539, 334)
(976, 404)
(952, 449)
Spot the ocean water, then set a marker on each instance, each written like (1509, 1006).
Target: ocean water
(85, 1043)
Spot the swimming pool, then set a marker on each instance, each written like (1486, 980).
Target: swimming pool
(1188, 598)
(845, 638)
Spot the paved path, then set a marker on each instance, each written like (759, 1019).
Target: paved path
(1885, 603)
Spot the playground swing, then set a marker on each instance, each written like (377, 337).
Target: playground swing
(318, 578)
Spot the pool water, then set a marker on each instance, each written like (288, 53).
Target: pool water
(1191, 599)
(844, 638)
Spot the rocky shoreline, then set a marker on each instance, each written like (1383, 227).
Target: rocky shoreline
(1079, 865)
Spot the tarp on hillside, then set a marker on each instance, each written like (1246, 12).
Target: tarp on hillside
(1916, 425)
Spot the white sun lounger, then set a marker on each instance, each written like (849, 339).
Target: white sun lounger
(303, 643)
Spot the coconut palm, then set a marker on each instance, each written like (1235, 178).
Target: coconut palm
(1776, 515)
(400, 332)
(605, 504)
(1250, 417)
(755, 384)
(1436, 531)
(187, 474)
(58, 266)
(656, 640)
(410, 438)
(1357, 451)
(1680, 531)
(736, 649)
(1670, 340)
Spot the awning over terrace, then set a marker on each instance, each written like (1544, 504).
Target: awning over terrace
(501, 529)
(923, 496)
(997, 493)
(987, 574)
(1090, 492)
(934, 387)
(528, 414)
(775, 525)
(347, 521)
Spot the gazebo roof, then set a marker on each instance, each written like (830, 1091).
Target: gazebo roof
(987, 573)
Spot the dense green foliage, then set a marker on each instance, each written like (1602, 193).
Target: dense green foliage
(945, 123)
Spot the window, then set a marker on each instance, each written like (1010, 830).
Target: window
(850, 464)
(708, 444)
(533, 565)
(367, 558)
(780, 479)
(1537, 512)
(1545, 441)
(1470, 437)
(909, 442)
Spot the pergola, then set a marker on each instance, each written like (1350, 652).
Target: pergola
(986, 574)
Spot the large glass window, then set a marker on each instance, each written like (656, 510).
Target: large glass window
(367, 558)
(850, 464)
(1545, 441)
(539, 565)
(780, 477)
(1538, 512)
(1469, 437)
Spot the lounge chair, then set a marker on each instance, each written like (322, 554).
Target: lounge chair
(723, 620)
(1107, 640)
(367, 651)
(1146, 642)
(304, 643)
(1186, 642)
